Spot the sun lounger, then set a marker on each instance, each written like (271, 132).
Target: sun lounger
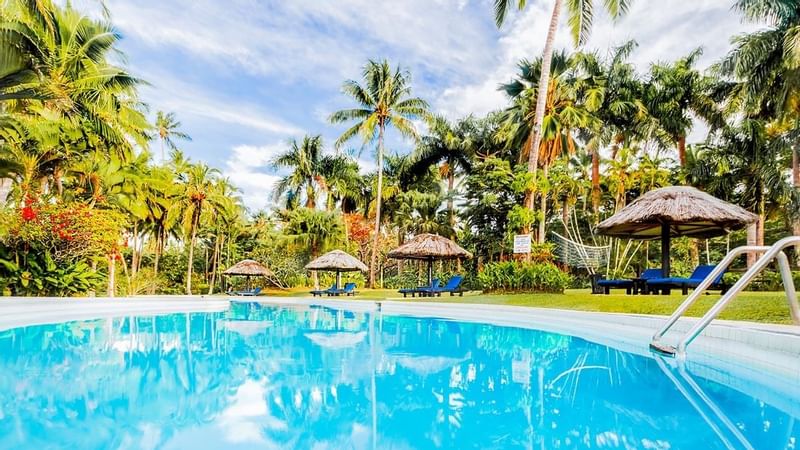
(452, 287)
(349, 289)
(628, 285)
(321, 292)
(250, 293)
(416, 290)
(664, 285)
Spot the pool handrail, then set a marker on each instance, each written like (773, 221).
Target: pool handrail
(774, 252)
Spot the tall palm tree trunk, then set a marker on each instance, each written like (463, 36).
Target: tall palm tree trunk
(596, 181)
(451, 181)
(159, 248)
(377, 238)
(796, 182)
(541, 100)
(543, 206)
(214, 264)
(195, 220)
(682, 150)
(112, 275)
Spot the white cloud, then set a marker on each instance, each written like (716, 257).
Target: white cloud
(665, 30)
(248, 167)
(309, 39)
(170, 94)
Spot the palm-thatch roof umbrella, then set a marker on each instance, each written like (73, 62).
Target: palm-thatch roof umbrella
(675, 211)
(339, 262)
(248, 268)
(428, 247)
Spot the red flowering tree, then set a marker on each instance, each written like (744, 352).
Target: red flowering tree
(48, 247)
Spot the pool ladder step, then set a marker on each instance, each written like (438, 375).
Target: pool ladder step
(769, 254)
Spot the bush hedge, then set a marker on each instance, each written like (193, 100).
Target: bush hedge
(523, 277)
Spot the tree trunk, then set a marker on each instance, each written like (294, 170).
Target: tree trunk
(214, 265)
(112, 275)
(543, 206)
(682, 151)
(377, 238)
(156, 258)
(796, 182)
(451, 180)
(311, 201)
(596, 181)
(541, 100)
(135, 248)
(191, 254)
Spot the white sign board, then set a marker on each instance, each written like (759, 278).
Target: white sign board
(522, 243)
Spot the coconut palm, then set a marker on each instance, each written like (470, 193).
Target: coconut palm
(743, 165)
(383, 100)
(675, 93)
(71, 53)
(565, 114)
(452, 148)
(580, 17)
(168, 129)
(763, 72)
(305, 159)
(612, 90)
(199, 193)
(340, 179)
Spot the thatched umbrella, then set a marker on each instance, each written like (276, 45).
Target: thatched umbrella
(339, 262)
(675, 211)
(428, 247)
(248, 268)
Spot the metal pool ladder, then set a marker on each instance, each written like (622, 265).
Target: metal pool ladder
(774, 252)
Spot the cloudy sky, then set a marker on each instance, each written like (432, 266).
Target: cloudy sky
(245, 76)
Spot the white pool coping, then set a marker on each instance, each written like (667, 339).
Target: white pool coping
(18, 312)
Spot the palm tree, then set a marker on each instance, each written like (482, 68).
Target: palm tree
(92, 99)
(316, 231)
(612, 90)
(383, 100)
(341, 181)
(198, 182)
(452, 147)
(565, 114)
(764, 72)
(580, 17)
(675, 92)
(168, 129)
(305, 161)
(742, 164)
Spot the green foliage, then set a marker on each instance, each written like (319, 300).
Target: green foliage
(523, 276)
(37, 274)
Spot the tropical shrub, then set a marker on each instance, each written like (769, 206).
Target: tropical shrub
(51, 249)
(523, 277)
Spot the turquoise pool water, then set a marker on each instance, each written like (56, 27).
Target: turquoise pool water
(320, 378)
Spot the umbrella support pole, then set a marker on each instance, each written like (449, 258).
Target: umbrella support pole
(773, 253)
(665, 246)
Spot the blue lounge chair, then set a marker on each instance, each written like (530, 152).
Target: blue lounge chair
(452, 287)
(664, 285)
(628, 285)
(349, 289)
(416, 290)
(250, 293)
(321, 292)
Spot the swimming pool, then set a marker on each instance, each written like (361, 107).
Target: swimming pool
(257, 376)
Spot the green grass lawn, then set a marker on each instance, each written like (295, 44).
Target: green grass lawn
(768, 307)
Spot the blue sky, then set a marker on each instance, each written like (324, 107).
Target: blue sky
(245, 76)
